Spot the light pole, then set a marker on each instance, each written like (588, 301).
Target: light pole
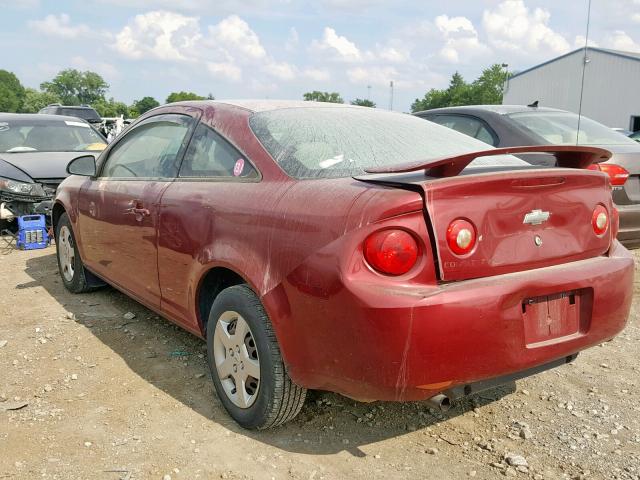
(391, 95)
(505, 83)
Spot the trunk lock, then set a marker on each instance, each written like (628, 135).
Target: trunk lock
(537, 239)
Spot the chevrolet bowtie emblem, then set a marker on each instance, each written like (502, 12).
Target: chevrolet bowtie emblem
(536, 217)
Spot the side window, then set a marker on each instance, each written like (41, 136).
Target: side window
(150, 150)
(209, 155)
(470, 126)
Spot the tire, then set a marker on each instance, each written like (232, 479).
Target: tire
(69, 263)
(271, 400)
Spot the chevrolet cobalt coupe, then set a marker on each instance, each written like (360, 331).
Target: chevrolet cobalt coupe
(342, 248)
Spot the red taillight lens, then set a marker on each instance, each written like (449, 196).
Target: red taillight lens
(600, 220)
(392, 251)
(617, 174)
(461, 236)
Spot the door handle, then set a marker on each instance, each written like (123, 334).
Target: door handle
(137, 209)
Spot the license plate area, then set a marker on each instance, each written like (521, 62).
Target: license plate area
(559, 317)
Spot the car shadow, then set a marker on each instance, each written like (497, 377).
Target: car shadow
(174, 361)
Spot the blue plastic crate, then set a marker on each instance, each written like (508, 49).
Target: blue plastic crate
(32, 232)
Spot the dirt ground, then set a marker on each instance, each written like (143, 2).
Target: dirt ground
(86, 393)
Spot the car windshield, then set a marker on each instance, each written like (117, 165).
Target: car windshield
(26, 135)
(561, 128)
(323, 142)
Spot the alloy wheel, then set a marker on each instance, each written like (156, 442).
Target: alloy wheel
(236, 358)
(66, 253)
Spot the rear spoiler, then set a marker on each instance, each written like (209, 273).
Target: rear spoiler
(567, 156)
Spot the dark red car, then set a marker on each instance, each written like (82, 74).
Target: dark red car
(321, 246)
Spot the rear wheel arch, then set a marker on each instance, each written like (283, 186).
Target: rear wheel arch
(212, 282)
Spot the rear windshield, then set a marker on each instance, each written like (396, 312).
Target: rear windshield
(48, 136)
(85, 113)
(561, 128)
(324, 142)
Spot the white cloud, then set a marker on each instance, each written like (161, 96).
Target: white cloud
(580, 40)
(234, 35)
(337, 46)
(291, 45)
(620, 40)
(317, 74)
(225, 71)
(281, 70)
(160, 34)
(59, 26)
(394, 54)
(372, 75)
(461, 39)
(511, 26)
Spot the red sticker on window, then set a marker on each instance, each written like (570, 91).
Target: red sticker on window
(238, 167)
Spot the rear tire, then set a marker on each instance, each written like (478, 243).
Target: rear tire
(69, 263)
(246, 364)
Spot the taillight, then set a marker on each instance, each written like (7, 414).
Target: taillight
(461, 236)
(617, 174)
(391, 251)
(600, 220)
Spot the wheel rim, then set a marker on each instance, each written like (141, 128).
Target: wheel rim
(236, 359)
(66, 253)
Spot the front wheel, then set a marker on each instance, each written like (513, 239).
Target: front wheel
(246, 364)
(69, 262)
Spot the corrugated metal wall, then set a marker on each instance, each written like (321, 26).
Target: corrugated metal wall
(611, 87)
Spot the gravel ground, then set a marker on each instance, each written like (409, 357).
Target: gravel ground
(87, 392)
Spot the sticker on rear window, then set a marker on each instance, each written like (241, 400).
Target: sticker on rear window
(76, 124)
(238, 167)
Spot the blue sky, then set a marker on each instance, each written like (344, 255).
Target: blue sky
(283, 48)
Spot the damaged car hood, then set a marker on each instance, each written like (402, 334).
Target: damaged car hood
(40, 165)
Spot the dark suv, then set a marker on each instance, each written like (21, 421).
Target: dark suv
(84, 112)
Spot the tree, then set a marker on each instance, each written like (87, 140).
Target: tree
(182, 96)
(317, 96)
(489, 86)
(35, 100)
(144, 105)
(111, 108)
(363, 102)
(485, 90)
(74, 87)
(11, 92)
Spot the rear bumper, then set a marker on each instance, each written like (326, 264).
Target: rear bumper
(629, 233)
(374, 343)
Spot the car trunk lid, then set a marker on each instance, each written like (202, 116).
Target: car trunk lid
(524, 219)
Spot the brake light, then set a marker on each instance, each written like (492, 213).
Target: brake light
(391, 251)
(600, 220)
(617, 175)
(461, 236)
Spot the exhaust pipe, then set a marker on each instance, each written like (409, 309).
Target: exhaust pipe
(441, 402)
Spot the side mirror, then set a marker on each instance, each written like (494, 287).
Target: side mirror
(85, 166)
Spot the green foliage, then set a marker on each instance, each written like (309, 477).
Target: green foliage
(11, 92)
(74, 87)
(144, 105)
(485, 90)
(182, 96)
(317, 96)
(111, 108)
(34, 100)
(363, 102)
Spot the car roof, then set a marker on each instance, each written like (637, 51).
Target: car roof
(499, 109)
(38, 117)
(269, 105)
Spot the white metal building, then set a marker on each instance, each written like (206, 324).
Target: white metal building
(611, 86)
